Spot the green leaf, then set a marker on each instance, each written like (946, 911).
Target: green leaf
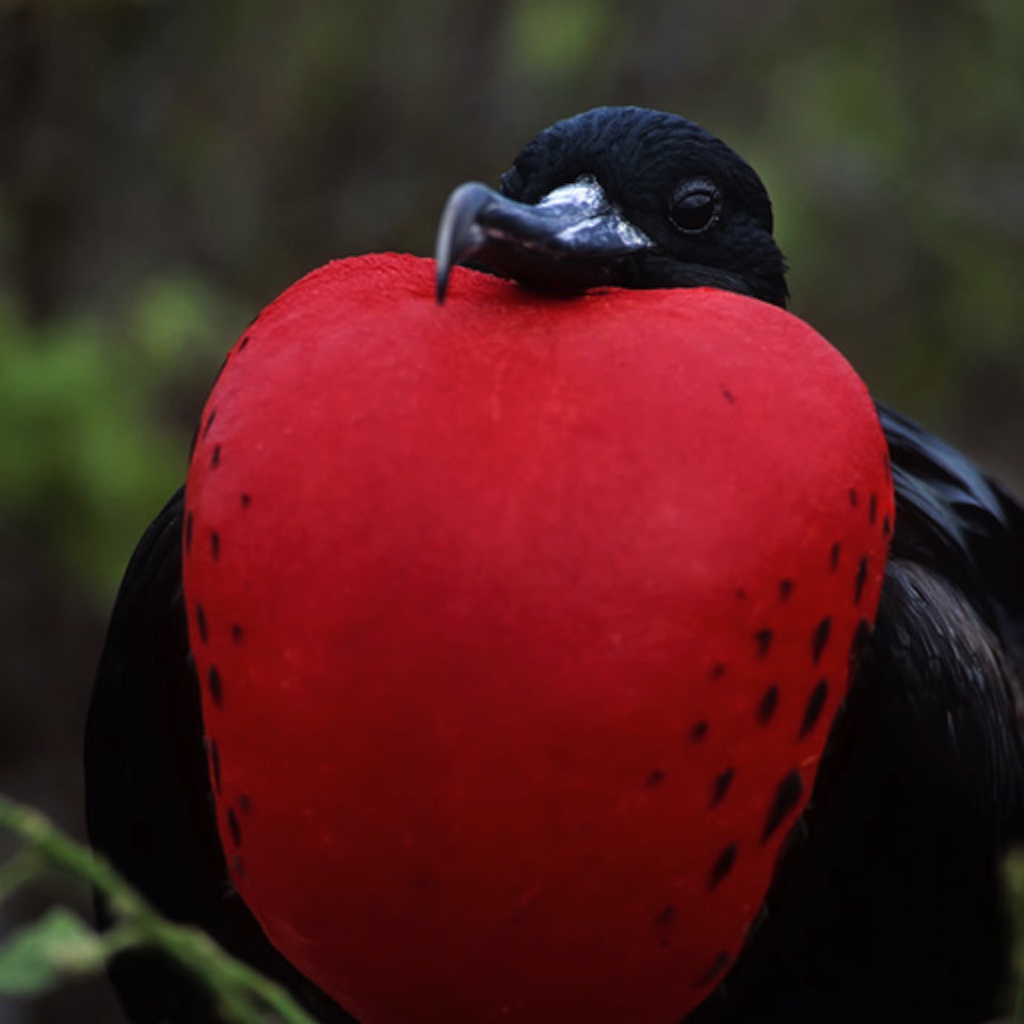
(41, 955)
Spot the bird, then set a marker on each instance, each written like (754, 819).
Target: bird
(883, 893)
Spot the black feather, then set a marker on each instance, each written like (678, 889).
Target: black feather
(952, 518)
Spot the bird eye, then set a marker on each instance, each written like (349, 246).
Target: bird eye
(695, 206)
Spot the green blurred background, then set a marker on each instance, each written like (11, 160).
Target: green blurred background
(166, 168)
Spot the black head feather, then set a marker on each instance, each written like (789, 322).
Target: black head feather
(703, 214)
(649, 163)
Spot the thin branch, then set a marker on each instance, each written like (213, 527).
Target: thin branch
(240, 991)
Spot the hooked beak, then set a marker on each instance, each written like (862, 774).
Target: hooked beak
(569, 241)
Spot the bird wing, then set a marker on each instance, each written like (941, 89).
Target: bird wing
(148, 802)
(952, 518)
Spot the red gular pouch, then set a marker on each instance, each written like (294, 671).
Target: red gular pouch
(521, 622)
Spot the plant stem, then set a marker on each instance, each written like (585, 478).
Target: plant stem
(238, 989)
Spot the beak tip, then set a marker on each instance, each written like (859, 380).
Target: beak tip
(459, 235)
(443, 267)
(441, 287)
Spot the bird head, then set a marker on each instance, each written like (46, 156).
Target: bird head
(619, 196)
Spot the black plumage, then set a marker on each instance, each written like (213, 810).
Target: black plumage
(887, 904)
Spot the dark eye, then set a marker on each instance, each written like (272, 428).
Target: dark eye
(695, 205)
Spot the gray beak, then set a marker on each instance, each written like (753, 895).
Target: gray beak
(568, 241)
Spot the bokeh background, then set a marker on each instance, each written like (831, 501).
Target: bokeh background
(166, 168)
